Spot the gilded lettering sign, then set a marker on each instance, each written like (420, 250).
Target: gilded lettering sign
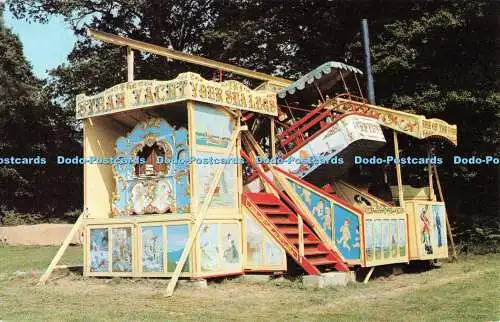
(187, 86)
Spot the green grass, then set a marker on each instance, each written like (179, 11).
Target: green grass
(463, 291)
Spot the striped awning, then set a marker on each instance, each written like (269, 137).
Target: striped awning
(326, 69)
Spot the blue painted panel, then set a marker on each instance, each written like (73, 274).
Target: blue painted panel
(213, 127)
(152, 249)
(320, 207)
(346, 232)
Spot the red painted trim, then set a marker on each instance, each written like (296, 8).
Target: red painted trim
(317, 109)
(318, 190)
(306, 127)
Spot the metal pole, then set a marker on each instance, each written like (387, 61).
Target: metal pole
(368, 64)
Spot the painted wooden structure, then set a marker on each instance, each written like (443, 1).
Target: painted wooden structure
(172, 187)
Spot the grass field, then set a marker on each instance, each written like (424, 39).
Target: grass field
(463, 291)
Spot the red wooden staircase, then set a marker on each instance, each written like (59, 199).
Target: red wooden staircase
(283, 224)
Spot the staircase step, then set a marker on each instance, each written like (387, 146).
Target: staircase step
(291, 231)
(262, 198)
(306, 242)
(314, 252)
(321, 261)
(283, 221)
(277, 211)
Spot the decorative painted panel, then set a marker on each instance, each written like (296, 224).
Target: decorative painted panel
(99, 248)
(225, 195)
(319, 207)
(163, 186)
(177, 236)
(220, 248)
(121, 249)
(213, 127)
(432, 229)
(385, 239)
(347, 239)
(262, 251)
(230, 237)
(152, 248)
(209, 247)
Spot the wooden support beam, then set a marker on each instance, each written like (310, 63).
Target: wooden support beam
(130, 64)
(178, 55)
(398, 170)
(432, 195)
(201, 215)
(367, 278)
(61, 250)
(273, 138)
(448, 226)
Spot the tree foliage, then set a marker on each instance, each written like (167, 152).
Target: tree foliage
(437, 58)
(31, 125)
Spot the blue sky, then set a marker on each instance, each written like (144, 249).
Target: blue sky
(45, 45)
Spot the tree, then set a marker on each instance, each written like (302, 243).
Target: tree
(434, 57)
(30, 126)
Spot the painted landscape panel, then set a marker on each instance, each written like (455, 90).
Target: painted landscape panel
(209, 257)
(121, 257)
(386, 239)
(394, 238)
(152, 248)
(402, 237)
(377, 233)
(213, 127)
(177, 236)
(370, 252)
(99, 250)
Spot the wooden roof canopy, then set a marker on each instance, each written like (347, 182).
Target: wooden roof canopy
(258, 100)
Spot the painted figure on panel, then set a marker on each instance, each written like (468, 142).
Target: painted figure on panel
(152, 249)
(437, 226)
(426, 234)
(231, 254)
(209, 249)
(122, 249)
(98, 250)
(345, 234)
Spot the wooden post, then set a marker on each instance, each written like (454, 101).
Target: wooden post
(369, 275)
(273, 139)
(201, 215)
(432, 195)
(448, 226)
(130, 64)
(398, 170)
(62, 249)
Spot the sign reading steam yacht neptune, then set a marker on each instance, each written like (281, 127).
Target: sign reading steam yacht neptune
(148, 93)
